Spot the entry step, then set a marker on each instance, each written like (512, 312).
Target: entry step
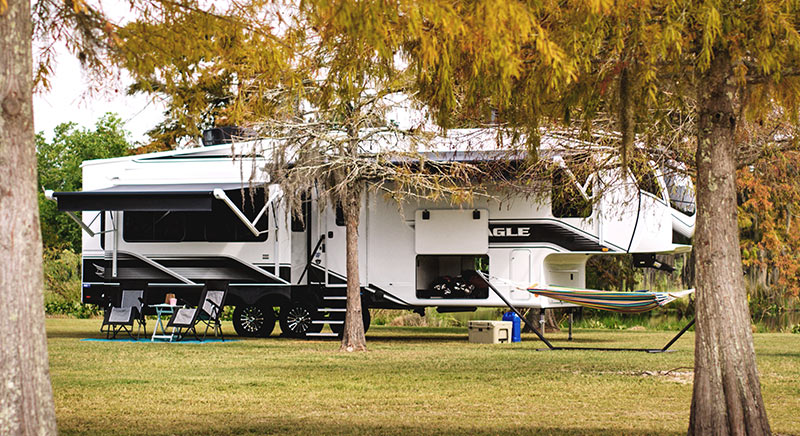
(326, 321)
(332, 309)
(333, 297)
(323, 335)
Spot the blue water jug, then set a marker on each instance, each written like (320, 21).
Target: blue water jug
(516, 325)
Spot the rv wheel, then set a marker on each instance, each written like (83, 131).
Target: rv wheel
(296, 319)
(338, 328)
(252, 320)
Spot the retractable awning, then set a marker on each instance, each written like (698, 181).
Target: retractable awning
(186, 197)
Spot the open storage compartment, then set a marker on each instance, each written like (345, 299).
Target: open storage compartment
(451, 276)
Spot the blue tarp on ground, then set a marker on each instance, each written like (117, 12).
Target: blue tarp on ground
(148, 341)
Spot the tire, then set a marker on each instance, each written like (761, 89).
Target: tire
(365, 316)
(295, 319)
(253, 320)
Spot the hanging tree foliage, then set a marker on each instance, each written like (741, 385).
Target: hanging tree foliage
(769, 196)
(727, 66)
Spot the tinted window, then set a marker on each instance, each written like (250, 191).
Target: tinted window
(681, 193)
(567, 200)
(218, 225)
(339, 214)
(646, 180)
(298, 225)
(299, 218)
(643, 173)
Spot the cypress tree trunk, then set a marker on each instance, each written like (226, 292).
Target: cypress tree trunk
(353, 338)
(727, 394)
(26, 398)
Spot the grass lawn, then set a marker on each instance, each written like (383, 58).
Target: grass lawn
(412, 381)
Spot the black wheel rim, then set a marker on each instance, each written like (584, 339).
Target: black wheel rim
(298, 319)
(252, 319)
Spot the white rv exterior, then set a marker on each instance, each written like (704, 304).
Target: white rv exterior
(411, 255)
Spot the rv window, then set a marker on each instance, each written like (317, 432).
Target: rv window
(681, 192)
(297, 224)
(195, 228)
(645, 177)
(170, 227)
(163, 226)
(339, 214)
(567, 200)
(647, 182)
(298, 220)
(219, 225)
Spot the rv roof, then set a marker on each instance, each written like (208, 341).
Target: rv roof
(455, 145)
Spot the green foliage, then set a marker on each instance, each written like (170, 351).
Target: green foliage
(615, 273)
(432, 318)
(62, 285)
(59, 169)
(62, 273)
(227, 313)
(660, 320)
(72, 309)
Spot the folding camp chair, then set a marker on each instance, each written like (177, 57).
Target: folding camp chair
(212, 309)
(130, 311)
(208, 312)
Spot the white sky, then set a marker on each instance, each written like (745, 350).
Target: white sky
(68, 100)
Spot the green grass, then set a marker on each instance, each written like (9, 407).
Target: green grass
(413, 380)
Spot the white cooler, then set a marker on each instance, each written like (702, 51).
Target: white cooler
(490, 332)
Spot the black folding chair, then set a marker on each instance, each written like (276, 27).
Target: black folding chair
(208, 312)
(130, 311)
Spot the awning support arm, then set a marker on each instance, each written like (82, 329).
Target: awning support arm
(86, 227)
(219, 194)
(83, 225)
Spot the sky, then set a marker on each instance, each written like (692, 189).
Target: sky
(68, 100)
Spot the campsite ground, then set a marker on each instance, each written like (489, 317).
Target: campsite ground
(413, 380)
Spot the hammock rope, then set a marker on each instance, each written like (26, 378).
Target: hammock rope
(624, 302)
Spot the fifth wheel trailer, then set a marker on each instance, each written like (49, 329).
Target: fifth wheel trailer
(173, 220)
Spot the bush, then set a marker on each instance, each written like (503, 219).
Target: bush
(72, 308)
(227, 313)
(62, 285)
(396, 317)
(62, 274)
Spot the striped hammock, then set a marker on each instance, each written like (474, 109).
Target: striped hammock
(625, 302)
